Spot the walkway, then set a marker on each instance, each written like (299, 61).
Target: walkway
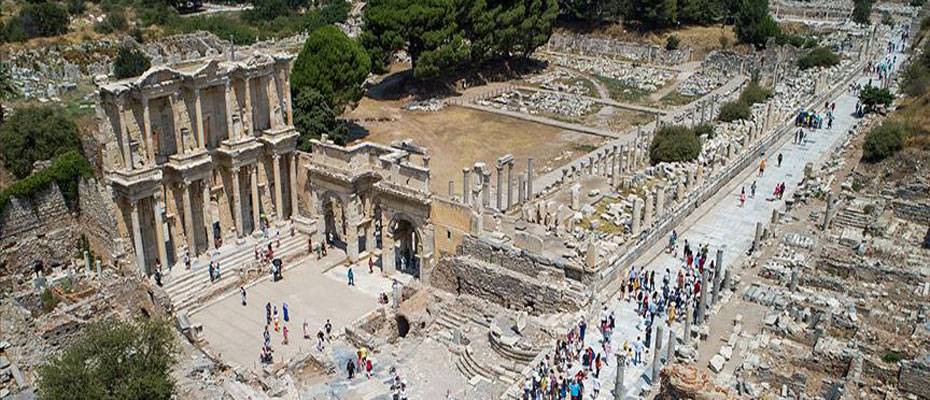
(721, 222)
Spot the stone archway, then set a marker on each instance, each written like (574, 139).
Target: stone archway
(408, 245)
(334, 219)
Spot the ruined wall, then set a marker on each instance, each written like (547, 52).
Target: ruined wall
(453, 222)
(918, 212)
(507, 277)
(588, 45)
(915, 377)
(44, 228)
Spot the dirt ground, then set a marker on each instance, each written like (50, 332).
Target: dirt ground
(457, 137)
(702, 39)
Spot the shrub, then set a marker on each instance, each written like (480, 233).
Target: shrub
(332, 64)
(724, 41)
(862, 11)
(130, 62)
(674, 143)
(819, 57)
(49, 301)
(733, 111)
(113, 22)
(65, 171)
(704, 129)
(884, 141)
(753, 93)
(76, 7)
(892, 356)
(44, 19)
(672, 42)
(871, 97)
(887, 19)
(36, 133)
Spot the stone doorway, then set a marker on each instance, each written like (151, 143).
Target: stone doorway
(408, 246)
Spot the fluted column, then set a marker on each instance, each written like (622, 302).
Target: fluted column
(292, 187)
(158, 209)
(500, 187)
(256, 202)
(509, 184)
(137, 235)
(198, 111)
(207, 219)
(278, 199)
(237, 201)
(188, 217)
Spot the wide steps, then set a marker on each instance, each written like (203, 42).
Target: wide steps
(471, 368)
(851, 218)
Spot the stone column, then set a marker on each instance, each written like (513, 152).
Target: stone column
(521, 188)
(237, 201)
(635, 225)
(387, 246)
(500, 187)
(689, 314)
(657, 353)
(647, 219)
(124, 136)
(249, 124)
(451, 190)
(232, 133)
(180, 145)
(351, 210)
(702, 304)
(188, 217)
(529, 179)
(670, 348)
(137, 236)
(828, 214)
(207, 219)
(256, 201)
(198, 114)
(718, 275)
(278, 192)
(619, 387)
(287, 96)
(466, 190)
(485, 189)
(292, 188)
(147, 129)
(614, 163)
(160, 230)
(660, 202)
(510, 184)
(757, 241)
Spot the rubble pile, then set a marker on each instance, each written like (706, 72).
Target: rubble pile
(716, 70)
(541, 102)
(642, 77)
(561, 80)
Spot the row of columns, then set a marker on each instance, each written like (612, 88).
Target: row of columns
(481, 195)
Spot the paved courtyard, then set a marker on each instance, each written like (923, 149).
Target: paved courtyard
(312, 293)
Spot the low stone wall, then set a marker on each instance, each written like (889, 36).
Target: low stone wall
(918, 212)
(507, 277)
(599, 46)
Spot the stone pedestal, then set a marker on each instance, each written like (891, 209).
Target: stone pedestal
(757, 241)
(619, 386)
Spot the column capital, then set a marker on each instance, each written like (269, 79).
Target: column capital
(234, 171)
(275, 156)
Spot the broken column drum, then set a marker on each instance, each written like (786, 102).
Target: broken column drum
(635, 224)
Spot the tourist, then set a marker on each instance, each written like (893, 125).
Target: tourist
(268, 313)
(284, 311)
(306, 330)
(212, 273)
(329, 329)
(158, 277)
(779, 160)
(368, 368)
(742, 197)
(671, 242)
(319, 340)
(595, 387)
(242, 294)
(310, 246)
(277, 238)
(284, 333)
(158, 266)
(350, 368)
(216, 270)
(351, 276)
(274, 318)
(762, 165)
(187, 258)
(371, 264)
(637, 351)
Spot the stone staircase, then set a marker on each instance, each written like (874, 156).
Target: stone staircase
(188, 289)
(850, 217)
(471, 368)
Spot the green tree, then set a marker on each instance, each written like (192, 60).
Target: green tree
(426, 29)
(871, 97)
(884, 141)
(113, 359)
(314, 117)
(733, 111)
(753, 23)
(332, 64)
(674, 143)
(655, 14)
(130, 62)
(862, 11)
(44, 19)
(8, 90)
(36, 133)
(672, 42)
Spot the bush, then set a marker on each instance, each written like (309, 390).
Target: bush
(887, 19)
(892, 356)
(76, 7)
(672, 42)
(871, 97)
(753, 93)
(36, 133)
(44, 19)
(49, 301)
(113, 22)
(862, 11)
(753, 23)
(130, 62)
(113, 359)
(704, 129)
(733, 111)
(65, 171)
(674, 143)
(884, 141)
(819, 57)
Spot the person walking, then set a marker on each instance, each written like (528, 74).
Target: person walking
(268, 313)
(762, 166)
(284, 310)
(752, 190)
(637, 351)
(351, 276)
(742, 197)
(242, 294)
(779, 160)
(350, 368)
(284, 332)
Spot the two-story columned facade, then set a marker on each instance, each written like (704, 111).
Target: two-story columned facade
(199, 153)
